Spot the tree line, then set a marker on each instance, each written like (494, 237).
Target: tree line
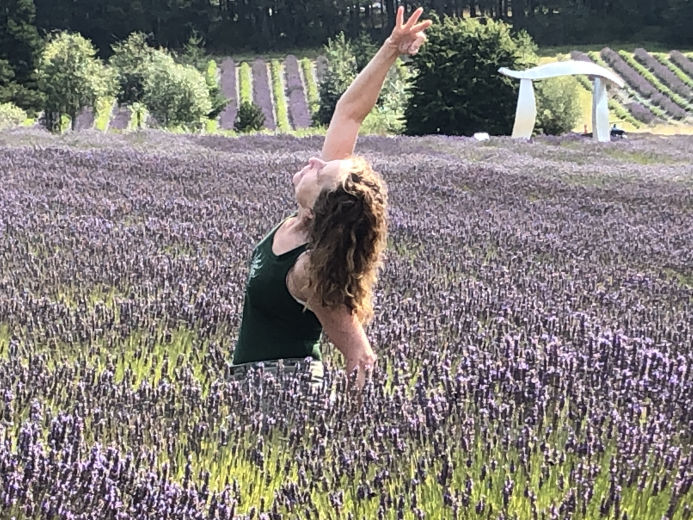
(227, 25)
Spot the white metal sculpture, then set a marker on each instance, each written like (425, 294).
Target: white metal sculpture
(526, 112)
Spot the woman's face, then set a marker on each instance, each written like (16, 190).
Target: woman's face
(314, 177)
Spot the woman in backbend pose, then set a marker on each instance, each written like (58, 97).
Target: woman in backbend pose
(315, 270)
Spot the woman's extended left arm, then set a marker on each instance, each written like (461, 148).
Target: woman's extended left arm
(339, 324)
(361, 96)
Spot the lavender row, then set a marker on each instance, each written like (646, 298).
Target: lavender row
(663, 73)
(682, 61)
(531, 323)
(261, 92)
(635, 109)
(298, 107)
(321, 65)
(228, 89)
(85, 119)
(120, 117)
(640, 84)
(580, 56)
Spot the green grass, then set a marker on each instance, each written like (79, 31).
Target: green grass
(280, 108)
(104, 107)
(245, 83)
(311, 86)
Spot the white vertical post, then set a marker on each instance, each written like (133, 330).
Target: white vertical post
(526, 112)
(600, 112)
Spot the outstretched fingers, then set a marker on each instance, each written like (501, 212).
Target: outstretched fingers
(399, 19)
(421, 26)
(413, 19)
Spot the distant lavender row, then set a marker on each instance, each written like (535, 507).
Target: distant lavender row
(120, 117)
(321, 64)
(261, 92)
(644, 87)
(580, 56)
(682, 61)
(640, 112)
(298, 107)
(228, 88)
(637, 110)
(85, 119)
(663, 73)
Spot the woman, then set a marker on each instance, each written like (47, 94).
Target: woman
(315, 270)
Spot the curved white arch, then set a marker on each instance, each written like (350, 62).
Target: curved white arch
(564, 68)
(525, 115)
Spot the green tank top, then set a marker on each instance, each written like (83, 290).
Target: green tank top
(274, 325)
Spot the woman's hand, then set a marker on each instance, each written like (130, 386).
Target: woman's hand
(363, 364)
(408, 37)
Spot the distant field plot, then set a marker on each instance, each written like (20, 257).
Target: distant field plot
(532, 321)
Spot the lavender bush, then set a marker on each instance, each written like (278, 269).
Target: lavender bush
(532, 322)
(262, 95)
(298, 107)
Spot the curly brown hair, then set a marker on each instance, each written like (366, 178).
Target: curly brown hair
(347, 239)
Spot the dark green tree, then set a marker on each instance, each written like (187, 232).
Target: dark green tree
(249, 118)
(131, 60)
(341, 71)
(457, 89)
(71, 77)
(20, 49)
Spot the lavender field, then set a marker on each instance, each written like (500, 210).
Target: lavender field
(533, 325)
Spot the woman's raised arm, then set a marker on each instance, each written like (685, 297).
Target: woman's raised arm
(361, 96)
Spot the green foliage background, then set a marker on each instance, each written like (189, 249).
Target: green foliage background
(457, 89)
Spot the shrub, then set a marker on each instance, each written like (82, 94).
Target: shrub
(345, 58)
(388, 115)
(457, 89)
(11, 115)
(71, 77)
(217, 99)
(138, 116)
(194, 52)
(341, 71)
(131, 60)
(176, 95)
(558, 105)
(249, 118)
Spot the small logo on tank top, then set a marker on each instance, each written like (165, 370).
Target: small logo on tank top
(255, 266)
